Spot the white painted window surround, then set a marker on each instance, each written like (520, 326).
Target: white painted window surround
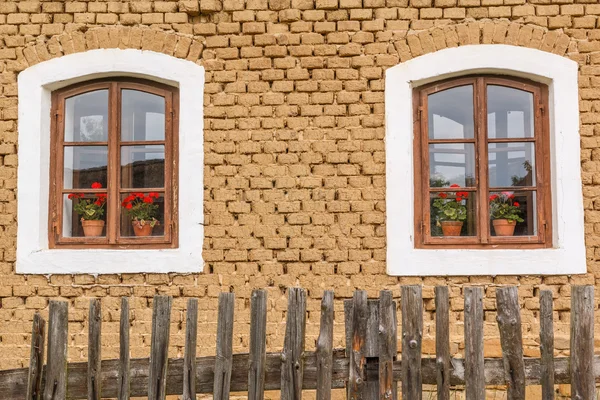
(560, 74)
(35, 86)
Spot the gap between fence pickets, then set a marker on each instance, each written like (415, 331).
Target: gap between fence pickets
(358, 370)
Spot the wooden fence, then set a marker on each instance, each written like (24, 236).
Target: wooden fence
(368, 367)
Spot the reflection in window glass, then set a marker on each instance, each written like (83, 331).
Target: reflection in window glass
(510, 113)
(86, 117)
(451, 113)
(142, 116)
(143, 166)
(452, 164)
(511, 164)
(84, 165)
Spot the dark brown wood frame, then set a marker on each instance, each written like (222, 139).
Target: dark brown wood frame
(483, 239)
(113, 239)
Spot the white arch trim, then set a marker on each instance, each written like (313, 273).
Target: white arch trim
(560, 74)
(35, 85)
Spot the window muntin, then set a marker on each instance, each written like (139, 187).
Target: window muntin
(488, 135)
(121, 134)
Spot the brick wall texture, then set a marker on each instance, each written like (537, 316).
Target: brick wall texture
(294, 154)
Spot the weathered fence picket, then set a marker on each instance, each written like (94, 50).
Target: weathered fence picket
(582, 343)
(36, 361)
(94, 350)
(442, 342)
(258, 345)
(511, 340)
(189, 357)
(324, 348)
(368, 367)
(159, 348)
(474, 362)
(224, 358)
(124, 362)
(412, 334)
(292, 363)
(58, 333)
(358, 339)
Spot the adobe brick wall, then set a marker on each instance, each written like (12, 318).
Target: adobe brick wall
(294, 153)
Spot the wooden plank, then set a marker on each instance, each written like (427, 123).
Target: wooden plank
(56, 370)
(94, 380)
(511, 340)
(324, 348)
(292, 365)
(36, 359)
(123, 373)
(474, 372)
(547, 345)
(442, 342)
(224, 358)
(582, 343)
(258, 337)
(159, 347)
(412, 333)
(356, 374)
(189, 357)
(387, 345)
(13, 383)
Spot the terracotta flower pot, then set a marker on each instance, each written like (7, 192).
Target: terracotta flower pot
(92, 227)
(142, 230)
(504, 227)
(451, 228)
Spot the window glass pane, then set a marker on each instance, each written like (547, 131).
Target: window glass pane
(510, 112)
(142, 116)
(86, 117)
(91, 207)
(148, 207)
(453, 213)
(85, 165)
(511, 164)
(452, 164)
(143, 166)
(519, 207)
(450, 114)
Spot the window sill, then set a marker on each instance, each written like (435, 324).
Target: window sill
(419, 262)
(94, 261)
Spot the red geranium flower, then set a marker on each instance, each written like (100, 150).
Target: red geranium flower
(154, 194)
(148, 199)
(516, 204)
(442, 195)
(493, 197)
(96, 185)
(458, 199)
(454, 185)
(128, 206)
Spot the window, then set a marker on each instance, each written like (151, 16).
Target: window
(563, 251)
(481, 163)
(113, 165)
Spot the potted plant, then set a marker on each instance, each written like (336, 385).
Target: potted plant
(452, 211)
(505, 213)
(143, 211)
(90, 210)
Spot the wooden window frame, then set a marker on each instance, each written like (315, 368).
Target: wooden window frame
(113, 239)
(541, 139)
